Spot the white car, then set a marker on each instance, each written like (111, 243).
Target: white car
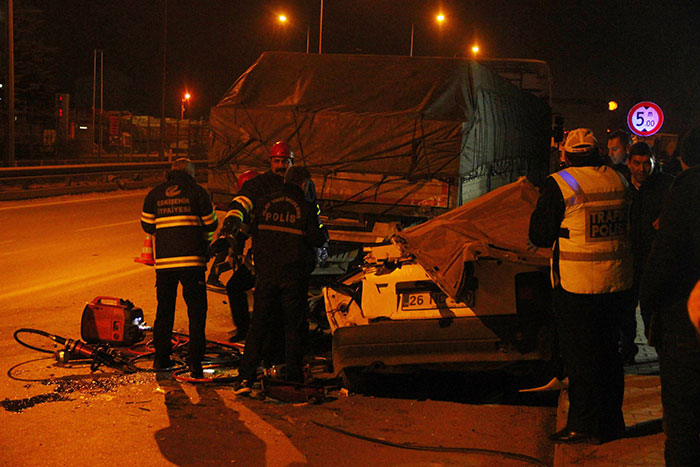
(456, 292)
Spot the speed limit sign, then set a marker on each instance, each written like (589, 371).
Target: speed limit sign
(645, 118)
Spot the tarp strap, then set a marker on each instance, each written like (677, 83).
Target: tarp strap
(297, 131)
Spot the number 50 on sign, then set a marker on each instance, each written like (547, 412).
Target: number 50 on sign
(645, 118)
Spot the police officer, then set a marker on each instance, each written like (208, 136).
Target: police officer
(232, 234)
(180, 215)
(582, 213)
(241, 207)
(286, 233)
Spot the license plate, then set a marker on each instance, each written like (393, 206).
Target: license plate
(430, 300)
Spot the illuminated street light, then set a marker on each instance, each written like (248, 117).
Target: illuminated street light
(185, 100)
(612, 105)
(283, 19)
(440, 18)
(475, 50)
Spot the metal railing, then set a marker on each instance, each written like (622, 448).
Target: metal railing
(35, 182)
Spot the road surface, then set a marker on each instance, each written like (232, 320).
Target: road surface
(57, 254)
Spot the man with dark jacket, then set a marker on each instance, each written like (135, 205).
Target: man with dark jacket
(286, 233)
(618, 151)
(252, 187)
(179, 214)
(648, 188)
(672, 270)
(582, 213)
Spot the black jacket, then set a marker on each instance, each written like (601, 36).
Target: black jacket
(180, 215)
(644, 212)
(673, 266)
(286, 232)
(243, 203)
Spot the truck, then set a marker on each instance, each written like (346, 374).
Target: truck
(390, 141)
(395, 144)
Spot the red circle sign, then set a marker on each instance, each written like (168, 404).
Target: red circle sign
(645, 118)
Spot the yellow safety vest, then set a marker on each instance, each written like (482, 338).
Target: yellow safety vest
(596, 257)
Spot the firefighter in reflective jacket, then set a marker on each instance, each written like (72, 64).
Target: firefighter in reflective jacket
(582, 214)
(286, 233)
(241, 208)
(180, 215)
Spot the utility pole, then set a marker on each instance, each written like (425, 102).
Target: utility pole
(102, 107)
(10, 86)
(320, 29)
(94, 99)
(161, 152)
(94, 90)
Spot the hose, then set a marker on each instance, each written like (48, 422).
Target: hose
(218, 354)
(58, 339)
(418, 447)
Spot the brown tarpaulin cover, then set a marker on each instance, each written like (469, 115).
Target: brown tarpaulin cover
(494, 225)
(417, 117)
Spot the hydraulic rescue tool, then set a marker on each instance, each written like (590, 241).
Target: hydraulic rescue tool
(76, 349)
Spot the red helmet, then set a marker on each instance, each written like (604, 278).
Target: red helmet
(281, 149)
(245, 176)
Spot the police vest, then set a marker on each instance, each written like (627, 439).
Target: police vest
(594, 251)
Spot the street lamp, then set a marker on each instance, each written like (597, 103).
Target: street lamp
(283, 20)
(185, 100)
(475, 50)
(440, 18)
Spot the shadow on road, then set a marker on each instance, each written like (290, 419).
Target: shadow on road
(206, 433)
(470, 388)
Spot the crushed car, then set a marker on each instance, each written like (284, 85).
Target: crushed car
(461, 291)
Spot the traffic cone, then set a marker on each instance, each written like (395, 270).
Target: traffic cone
(146, 253)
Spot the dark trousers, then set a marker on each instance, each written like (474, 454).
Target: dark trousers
(628, 323)
(278, 304)
(679, 361)
(587, 327)
(195, 293)
(241, 281)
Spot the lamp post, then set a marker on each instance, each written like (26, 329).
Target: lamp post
(283, 20)
(440, 18)
(183, 102)
(475, 50)
(320, 29)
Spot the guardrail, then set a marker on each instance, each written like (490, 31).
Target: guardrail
(35, 182)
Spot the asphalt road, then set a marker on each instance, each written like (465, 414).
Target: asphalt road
(58, 254)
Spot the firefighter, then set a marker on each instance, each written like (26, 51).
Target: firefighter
(180, 215)
(286, 233)
(242, 279)
(582, 213)
(238, 215)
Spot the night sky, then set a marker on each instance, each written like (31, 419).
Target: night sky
(596, 50)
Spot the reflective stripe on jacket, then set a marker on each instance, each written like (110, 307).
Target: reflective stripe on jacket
(594, 251)
(180, 215)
